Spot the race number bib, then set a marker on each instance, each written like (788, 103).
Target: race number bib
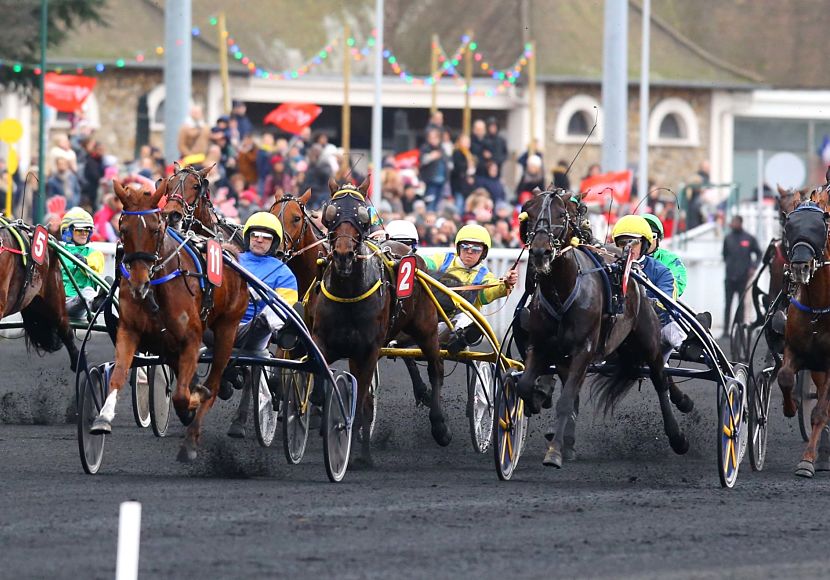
(214, 262)
(406, 277)
(40, 241)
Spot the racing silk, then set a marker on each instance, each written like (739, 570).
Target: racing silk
(660, 276)
(93, 258)
(273, 274)
(449, 263)
(673, 262)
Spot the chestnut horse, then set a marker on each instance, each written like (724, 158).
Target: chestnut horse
(41, 300)
(300, 238)
(160, 312)
(355, 310)
(568, 327)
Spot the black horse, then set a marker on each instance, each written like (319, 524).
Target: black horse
(572, 325)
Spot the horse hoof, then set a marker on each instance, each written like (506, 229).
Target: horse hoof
(805, 469)
(424, 398)
(680, 444)
(186, 418)
(100, 426)
(236, 430)
(441, 433)
(790, 409)
(225, 390)
(186, 454)
(553, 458)
(361, 462)
(686, 405)
(569, 454)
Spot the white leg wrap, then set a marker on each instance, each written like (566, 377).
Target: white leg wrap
(108, 410)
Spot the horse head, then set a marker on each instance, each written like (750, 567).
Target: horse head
(546, 227)
(290, 210)
(805, 240)
(142, 229)
(347, 219)
(185, 189)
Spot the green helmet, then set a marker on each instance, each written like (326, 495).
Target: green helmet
(655, 223)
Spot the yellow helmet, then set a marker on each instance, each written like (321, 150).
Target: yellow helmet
(77, 217)
(473, 233)
(263, 220)
(633, 225)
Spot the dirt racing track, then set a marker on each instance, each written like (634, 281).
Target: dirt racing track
(627, 508)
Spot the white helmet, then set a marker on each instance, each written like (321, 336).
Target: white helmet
(402, 231)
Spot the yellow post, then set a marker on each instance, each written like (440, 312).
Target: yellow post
(347, 108)
(11, 130)
(531, 87)
(9, 172)
(433, 71)
(223, 64)
(468, 79)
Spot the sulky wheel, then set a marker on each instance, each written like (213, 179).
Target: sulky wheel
(739, 339)
(141, 396)
(807, 396)
(266, 407)
(338, 418)
(510, 425)
(480, 379)
(759, 398)
(162, 381)
(296, 411)
(92, 394)
(732, 427)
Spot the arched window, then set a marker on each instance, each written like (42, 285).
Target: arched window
(575, 119)
(155, 107)
(673, 122)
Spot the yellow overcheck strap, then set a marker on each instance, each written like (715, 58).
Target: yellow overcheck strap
(363, 296)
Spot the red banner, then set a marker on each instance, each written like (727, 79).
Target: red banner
(407, 159)
(293, 117)
(599, 187)
(67, 93)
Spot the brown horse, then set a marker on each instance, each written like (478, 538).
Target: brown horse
(41, 299)
(302, 240)
(356, 312)
(161, 312)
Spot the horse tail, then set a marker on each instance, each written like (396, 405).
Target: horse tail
(610, 389)
(40, 326)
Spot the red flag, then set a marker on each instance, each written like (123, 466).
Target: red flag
(67, 93)
(617, 184)
(407, 159)
(293, 117)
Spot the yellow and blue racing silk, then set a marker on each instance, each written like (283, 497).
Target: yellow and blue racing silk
(273, 274)
(450, 263)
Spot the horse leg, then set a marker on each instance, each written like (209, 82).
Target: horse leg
(533, 386)
(125, 344)
(363, 371)
(565, 407)
(786, 381)
(681, 400)
(186, 399)
(662, 384)
(823, 458)
(818, 420)
(419, 388)
(55, 300)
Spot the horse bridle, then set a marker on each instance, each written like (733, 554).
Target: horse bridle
(358, 219)
(544, 223)
(289, 244)
(817, 262)
(178, 194)
(152, 259)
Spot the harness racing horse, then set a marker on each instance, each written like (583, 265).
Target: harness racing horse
(355, 311)
(36, 291)
(570, 326)
(161, 311)
(300, 236)
(807, 333)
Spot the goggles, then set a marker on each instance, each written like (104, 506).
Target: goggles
(261, 236)
(82, 230)
(473, 248)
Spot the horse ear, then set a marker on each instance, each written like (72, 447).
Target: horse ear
(827, 175)
(120, 192)
(203, 173)
(306, 196)
(781, 191)
(156, 197)
(333, 187)
(364, 187)
(536, 190)
(176, 167)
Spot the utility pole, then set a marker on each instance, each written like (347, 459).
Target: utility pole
(346, 113)
(468, 82)
(377, 107)
(433, 71)
(615, 86)
(531, 88)
(223, 64)
(40, 202)
(177, 71)
(642, 171)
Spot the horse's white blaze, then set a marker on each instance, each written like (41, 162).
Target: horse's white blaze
(108, 410)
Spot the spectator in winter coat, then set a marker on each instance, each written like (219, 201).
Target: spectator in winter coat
(462, 176)
(435, 170)
(495, 143)
(492, 183)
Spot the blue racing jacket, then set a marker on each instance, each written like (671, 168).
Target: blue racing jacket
(274, 274)
(660, 276)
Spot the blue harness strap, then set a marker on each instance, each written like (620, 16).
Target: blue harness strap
(606, 281)
(193, 256)
(177, 272)
(808, 309)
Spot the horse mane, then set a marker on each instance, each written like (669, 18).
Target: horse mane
(450, 281)
(233, 250)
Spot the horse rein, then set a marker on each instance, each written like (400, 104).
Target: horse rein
(153, 259)
(178, 194)
(289, 243)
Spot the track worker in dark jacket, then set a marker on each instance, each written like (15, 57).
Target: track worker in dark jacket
(740, 253)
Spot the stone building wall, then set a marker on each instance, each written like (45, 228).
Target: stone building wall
(668, 165)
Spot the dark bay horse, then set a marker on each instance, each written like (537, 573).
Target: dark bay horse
(568, 326)
(807, 333)
(41, 299)
(355, 311)
(160, 312)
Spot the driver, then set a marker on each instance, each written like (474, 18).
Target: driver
(472, 242)
(669, 259)
(403, 231)
(76, 228)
